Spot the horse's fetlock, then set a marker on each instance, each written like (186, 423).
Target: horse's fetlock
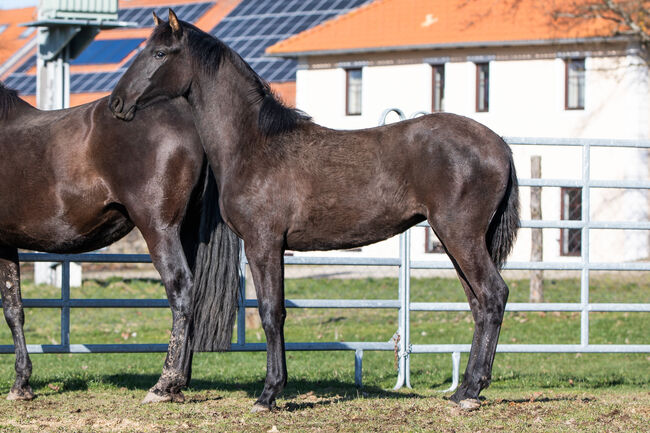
(485, 381)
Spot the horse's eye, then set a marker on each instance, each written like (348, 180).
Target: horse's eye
(160, 55)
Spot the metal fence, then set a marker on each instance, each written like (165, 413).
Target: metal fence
(401, 342)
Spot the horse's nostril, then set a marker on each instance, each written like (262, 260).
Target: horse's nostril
(117, 104)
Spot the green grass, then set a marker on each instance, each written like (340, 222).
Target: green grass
(322, 381)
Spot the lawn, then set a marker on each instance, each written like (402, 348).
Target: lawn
(529, 392)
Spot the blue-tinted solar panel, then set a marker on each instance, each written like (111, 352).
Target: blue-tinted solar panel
(24, 84)
(107, 51)
(189, 12)
(27, 65)
(254, 25)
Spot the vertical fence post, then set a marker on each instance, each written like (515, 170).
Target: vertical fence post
(584, 240)
(358, 368)
(65, 305)
(404, 344)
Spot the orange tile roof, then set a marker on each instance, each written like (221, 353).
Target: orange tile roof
(10, 41)
(385, 24)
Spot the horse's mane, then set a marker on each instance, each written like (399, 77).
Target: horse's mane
(8, 99)
(208, 52)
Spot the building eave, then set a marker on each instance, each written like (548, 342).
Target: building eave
(455, 45)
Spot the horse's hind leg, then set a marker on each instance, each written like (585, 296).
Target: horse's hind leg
(487, 294)
(267, 266)
(12, 304)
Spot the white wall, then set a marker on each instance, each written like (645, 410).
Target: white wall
(526, 99)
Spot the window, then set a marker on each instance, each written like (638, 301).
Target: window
(438, 96)
(3, 27)
(431, 242)
(482, 86)
(353, 92)
(571, 209)
(574, 98)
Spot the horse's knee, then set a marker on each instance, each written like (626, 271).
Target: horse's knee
(272, 315)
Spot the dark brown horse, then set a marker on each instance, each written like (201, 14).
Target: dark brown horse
(286, 182)
(77, 180)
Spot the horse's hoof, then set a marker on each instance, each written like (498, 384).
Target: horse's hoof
(469, 404)
(21, 395)
(178, 397)
(258, 407)
(152, 397)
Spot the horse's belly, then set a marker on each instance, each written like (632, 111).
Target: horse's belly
(57, 235)
(345, 233)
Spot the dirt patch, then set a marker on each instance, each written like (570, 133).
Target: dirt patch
(120, 411)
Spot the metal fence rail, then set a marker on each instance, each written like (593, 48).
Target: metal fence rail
(401, 342)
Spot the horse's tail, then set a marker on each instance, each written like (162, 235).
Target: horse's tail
(505, 222)
(216, 276)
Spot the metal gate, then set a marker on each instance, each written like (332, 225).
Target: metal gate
(402, 340)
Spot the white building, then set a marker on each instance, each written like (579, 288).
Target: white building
(515, 71)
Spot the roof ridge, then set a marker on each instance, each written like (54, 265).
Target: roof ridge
(326, 24)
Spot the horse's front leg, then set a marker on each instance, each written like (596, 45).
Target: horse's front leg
(170, 261)
(267, 266)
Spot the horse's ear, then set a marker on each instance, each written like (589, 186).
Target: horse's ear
(156, 20)
(173, 22)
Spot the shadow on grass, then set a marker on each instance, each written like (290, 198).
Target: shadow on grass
(321, 389)
(106, 282)
(505, 401)
(60, 385)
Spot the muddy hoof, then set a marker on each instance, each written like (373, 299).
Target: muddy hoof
(152, 397)
(21, 394)
(257, 407)
(178, 397)
(469, 404)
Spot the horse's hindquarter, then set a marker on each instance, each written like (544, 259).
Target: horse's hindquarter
(152, 163)
(52, 199)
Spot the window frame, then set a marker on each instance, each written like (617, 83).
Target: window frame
(486, 91)
(439, 67)
(567, 68)
(347, 92)
(565, 233)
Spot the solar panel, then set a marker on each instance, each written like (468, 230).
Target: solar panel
(27, 65)
(24, 84)
(255, 25)
(189, 12)
(107, 51)
(250, 28)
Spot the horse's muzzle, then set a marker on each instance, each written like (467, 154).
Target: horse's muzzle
(116, 105)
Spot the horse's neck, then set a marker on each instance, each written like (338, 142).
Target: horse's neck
(225, 118)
